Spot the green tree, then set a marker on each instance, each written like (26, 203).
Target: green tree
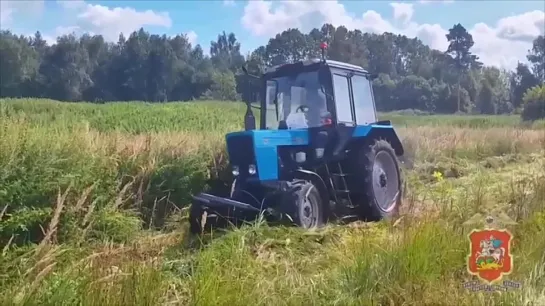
(460, 43)
(536, 56)
(521, 81)
(414, 93)
(152, 67)
(225, 53)
(287, 47)
(486, 101)
(18, 63)
(67, 69)
(502, 97)
(384, 88)
(223, 87)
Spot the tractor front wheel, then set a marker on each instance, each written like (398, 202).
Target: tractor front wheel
(309, 213)
(214, 218)
(381, 177)
(196, 213)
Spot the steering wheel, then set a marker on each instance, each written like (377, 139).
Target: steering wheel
(303, 109)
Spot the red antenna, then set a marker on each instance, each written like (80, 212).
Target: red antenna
(323, 46)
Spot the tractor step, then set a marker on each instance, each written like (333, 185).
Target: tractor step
(349, 218)
(209, 200)
(339, 184)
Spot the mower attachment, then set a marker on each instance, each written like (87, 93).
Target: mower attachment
(209, 200)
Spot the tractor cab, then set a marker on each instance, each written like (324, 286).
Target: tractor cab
(295, 98)
(316, 93)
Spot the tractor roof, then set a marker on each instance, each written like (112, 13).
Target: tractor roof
(330, 63)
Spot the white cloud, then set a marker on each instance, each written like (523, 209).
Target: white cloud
(110, 22)
(509, 41)
(402, 11)
(94, 19)
(73, 4)
(51, 38)
(434, 1)
(191, 37)
(229, 3)
(263, 20)
(501, 45)
(59, 31)
(524, 27)
(9, 8)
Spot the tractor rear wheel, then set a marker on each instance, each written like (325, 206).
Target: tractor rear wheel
(381, 194)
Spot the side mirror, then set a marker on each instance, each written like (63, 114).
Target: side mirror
(373, 76)
(245, 70)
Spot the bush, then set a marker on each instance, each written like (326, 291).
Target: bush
(534, 103)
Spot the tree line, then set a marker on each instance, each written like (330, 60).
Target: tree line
(159, 68)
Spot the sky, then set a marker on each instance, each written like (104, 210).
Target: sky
(502, 30)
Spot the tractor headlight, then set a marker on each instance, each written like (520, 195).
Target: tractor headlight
(252, 170)
(235, 171)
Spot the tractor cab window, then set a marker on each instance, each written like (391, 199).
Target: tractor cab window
(364, 104)
(300, 101)
(342, 98)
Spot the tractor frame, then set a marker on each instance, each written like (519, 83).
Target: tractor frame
(319, 154)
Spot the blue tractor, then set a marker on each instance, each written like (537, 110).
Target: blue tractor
(319, 154)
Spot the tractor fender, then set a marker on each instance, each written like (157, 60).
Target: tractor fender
(388, 134)
(319, 183)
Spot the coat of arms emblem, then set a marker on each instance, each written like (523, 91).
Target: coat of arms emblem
(490, 256)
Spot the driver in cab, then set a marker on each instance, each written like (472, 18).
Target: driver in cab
(304, 106)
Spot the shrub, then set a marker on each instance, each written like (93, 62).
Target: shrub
(534, 103)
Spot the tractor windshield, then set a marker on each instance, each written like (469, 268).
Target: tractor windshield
(295, 101)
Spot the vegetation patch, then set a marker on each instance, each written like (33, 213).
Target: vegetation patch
(96, 215)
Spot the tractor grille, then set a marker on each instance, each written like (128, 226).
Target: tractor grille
(241, 151)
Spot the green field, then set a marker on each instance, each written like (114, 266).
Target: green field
(93, 204)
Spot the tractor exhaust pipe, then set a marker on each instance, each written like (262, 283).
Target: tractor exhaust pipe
(249, 119)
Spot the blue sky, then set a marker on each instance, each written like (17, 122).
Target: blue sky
(497, 26)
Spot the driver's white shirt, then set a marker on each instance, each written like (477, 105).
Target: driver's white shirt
(296, 121)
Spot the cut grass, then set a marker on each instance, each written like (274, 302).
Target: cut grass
(91, 178)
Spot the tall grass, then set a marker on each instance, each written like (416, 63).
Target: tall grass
(81, 185)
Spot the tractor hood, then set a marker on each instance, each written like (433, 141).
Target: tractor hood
(255, 152)
(260, 149)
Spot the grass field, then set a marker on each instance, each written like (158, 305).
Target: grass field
(93, 197)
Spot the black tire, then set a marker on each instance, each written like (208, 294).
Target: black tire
(215, 218)
(373, 204)
(195, 218)
(309, 209)
(220, 219)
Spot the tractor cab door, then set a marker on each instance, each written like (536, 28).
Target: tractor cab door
(320, 115)
(354, 105)
(343, 110)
